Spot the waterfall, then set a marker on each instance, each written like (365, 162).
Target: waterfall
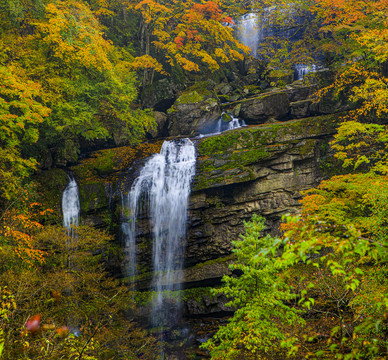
(129, 215)
(164, 187)
(302, 70)
(250, 32)
(221, 125)
(71, 207)
(235, 123)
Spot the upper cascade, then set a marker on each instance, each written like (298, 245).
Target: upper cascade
(250, 32)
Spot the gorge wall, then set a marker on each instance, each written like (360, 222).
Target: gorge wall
(261, 168)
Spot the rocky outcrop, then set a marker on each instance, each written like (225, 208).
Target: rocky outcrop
(259, 169)
(161, 94)
(160, 129)
(292, 102)
(257, 110)
(195, 109)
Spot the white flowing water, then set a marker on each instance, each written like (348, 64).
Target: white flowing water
(71, 207)
(222, 125)
(235, 123)
(250, 32)
(164, 187)
(302, 70)
(128, 228)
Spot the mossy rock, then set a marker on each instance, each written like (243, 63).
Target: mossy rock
(93, 197)
(257, 110)
(104, 166)
(227, 158)
(280, 77)
(196, 108)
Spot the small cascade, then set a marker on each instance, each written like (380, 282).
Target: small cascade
(302, 70)
(221, 125)
(71, 207)
(163, 189)
(235, 123)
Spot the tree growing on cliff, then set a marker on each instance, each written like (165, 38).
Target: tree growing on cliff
(262, 324)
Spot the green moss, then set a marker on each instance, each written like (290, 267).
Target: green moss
(202, 87)
(307, 147)
(93, 196)
(197, 294)
(226, 117)
(190, 98)
(194, 94)
(104, 165)
(144, 298)
(226, 158)
(224, 98)
(220, 260)
(281, 77)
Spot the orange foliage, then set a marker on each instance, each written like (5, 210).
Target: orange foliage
(191, 34)
(19, 227)
(209, 10)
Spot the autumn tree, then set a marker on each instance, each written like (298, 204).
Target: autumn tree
(58, 300)
(189, 34)
(20, 117)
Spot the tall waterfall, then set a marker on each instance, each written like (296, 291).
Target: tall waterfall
(71, 207)
(164, 186)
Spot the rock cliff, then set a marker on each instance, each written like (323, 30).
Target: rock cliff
(261, 168)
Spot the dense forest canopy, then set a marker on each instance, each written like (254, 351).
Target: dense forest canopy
(70, 76)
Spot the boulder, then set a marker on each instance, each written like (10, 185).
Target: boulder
(195, 109)
(301, 109)
(160, 95)
(259, 109)
(160, 129)
(298, 91)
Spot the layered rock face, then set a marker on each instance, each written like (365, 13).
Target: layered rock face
(261, 168)
(258, 169)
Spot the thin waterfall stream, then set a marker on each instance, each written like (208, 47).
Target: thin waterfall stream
(71, 207)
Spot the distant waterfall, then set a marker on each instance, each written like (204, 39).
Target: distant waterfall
(71, 207)
(164, 185)
(250, 32)
(130, 205)
(302, 70)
